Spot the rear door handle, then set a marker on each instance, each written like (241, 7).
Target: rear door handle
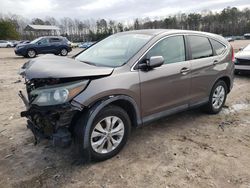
(184, 70)
(216, 62)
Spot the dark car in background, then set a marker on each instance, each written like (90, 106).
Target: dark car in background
(44, 45)
(16, 42)
(24, 42)
(242, 60)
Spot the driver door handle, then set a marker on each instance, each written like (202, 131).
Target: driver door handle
(184, 70)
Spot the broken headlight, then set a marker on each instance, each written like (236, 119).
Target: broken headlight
(57, 94)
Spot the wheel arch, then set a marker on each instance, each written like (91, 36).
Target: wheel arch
(63, 47)
(123, 101)
(227, 80)
(31, 49)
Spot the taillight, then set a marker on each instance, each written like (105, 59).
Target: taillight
(233, 59)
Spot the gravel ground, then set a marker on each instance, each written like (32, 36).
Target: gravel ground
(190, 149)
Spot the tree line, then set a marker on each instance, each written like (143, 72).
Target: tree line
(228, 22)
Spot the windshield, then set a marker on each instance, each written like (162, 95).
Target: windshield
(247, 48)
(35, 41)
(115, 50)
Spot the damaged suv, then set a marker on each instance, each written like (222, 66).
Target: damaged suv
(126, 80)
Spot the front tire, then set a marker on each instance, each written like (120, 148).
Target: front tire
(31, 53)
(108, 133)
(217, 97)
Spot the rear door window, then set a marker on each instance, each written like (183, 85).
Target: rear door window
(53, 40)
(200, 47)
(218, 47)
(172, 49)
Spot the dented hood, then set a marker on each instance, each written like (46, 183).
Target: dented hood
(51, 66)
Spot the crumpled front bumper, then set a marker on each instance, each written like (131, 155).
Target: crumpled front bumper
(50, 122)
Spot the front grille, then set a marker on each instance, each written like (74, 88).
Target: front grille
(243, 61)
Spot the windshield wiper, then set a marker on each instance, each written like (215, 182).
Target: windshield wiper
(89, 63)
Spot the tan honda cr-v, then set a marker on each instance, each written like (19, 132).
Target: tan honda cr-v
(128, 79)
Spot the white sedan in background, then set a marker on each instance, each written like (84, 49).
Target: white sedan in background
(242, 60)
(6, 44)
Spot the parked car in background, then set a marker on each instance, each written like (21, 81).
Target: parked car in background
(229, 39)
(86, 44)
(242, 60)
(24, 42)
(73, 44)
(44, 45)
(126, 80)
(247, 35)
(6, 44)
(14, 42)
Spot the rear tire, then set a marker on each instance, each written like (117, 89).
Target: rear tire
(64, 52)
(108, 133)
(217, 98)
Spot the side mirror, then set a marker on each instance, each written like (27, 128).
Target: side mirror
(241, 48)
(39, 43)
(152, 62)
(155, 61)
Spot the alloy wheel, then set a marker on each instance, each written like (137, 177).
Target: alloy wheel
(107, 134)
(218, 97)
(31, 53)
(64, 52)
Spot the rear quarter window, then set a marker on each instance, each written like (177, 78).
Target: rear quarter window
(200, 47)
(218, 47)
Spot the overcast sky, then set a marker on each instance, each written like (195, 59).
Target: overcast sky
(112, 9)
